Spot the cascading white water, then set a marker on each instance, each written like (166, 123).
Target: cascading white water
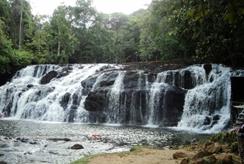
(207, 106)
(154, 96)
(114, 98)
(130, 97)
(29, 99)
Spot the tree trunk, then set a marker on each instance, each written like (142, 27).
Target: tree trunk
(20, 24)
(59, 44)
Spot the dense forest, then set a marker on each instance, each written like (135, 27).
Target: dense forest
(169, 30)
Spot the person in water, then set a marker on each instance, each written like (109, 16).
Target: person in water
(241, 142)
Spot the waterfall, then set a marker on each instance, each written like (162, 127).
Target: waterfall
(190, 98)
(59, 100)
(154, 99)
(207, 106)
(114, 99)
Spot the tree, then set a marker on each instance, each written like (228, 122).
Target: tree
(22, 23)
(62, 38)
(5, 50)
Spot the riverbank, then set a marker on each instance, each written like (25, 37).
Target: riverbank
(220, 148)
(140, 155)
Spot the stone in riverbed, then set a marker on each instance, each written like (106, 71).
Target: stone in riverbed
(24, 140)
(59, 139)
(77, 147)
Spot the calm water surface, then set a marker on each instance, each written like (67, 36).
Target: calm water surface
(42, 142)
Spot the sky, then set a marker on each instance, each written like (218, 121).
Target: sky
(46, 7)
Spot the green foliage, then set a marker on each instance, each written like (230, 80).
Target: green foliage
(169, 30)
(22, 58)
(6, 52)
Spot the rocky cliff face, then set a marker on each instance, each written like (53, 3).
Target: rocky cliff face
(106, 93)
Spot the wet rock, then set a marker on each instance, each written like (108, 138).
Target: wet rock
(33, 142)
(77, 147)
(59, 139)
(76, 99)
(64, 72)
(27, 153)
(108, 79)
(179, 155)
(24, 140)
(215, 119)
(207, 68)
(188, 81)
(88, 84)
(65, 100)
(131, 80)
(48, 77)
(52, 152)
(95, 101)
(172, 101)
(207, 120)
(3, 162)
(72, 113)
(30, 86)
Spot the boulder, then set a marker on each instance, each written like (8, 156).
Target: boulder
(185, 161)
(131, 80)
(207, 121)
(108, 79)
(172, 102)
(88, 84)
(200, 154)
(207, 68)
(65, 100)
(224, 158)
(209, 159)
(205, 160)
(64, 72)
(178, 155)
(77, 147)
(96, 101)
(214, 148)
(48, 77)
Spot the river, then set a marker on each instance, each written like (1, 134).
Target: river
(48, 142)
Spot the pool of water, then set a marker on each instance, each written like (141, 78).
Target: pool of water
(44, 142)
